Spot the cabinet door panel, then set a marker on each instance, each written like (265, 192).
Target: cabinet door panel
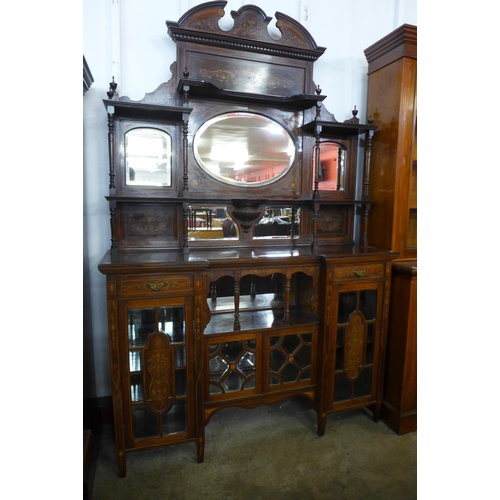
(290, 360)
(156, 385)
(356, 343)
(233, 366)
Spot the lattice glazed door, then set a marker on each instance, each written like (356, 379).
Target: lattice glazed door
(233, 364)
(290, 359)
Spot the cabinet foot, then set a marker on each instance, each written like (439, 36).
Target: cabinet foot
(321, 423)
(201, 450)
(122, 464)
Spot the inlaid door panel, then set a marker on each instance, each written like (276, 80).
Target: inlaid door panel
(157, 386)
(356, 343)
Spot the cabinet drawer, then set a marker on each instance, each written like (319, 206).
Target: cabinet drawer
(358, 272)
(154, 285)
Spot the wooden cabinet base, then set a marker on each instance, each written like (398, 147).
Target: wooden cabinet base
(400, 386)
(399, 422)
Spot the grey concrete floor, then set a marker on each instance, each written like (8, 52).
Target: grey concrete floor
(270, 452)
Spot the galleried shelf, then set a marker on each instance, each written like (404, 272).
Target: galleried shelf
(206, 90)
(234, 196)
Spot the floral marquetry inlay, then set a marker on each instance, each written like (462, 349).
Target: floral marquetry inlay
(246, 75)
(143, 224)
(330, 223)
(159, 360)
(354, 345)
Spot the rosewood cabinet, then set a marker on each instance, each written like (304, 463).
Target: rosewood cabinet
(240, 271)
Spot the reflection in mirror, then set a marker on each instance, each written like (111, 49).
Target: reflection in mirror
(244, 149)
(211, 223)
(278, 223)
(331, 176)
(148, 157)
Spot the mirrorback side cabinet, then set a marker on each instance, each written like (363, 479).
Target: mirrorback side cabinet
(237, 275)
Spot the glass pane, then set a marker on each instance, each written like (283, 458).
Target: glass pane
(180, 382)
(136, 388)
(148, 157)
(232, 366)
(247, 362)
(290, 373)
(370, 343)
(233, 382)
(303, 356)
(362, 385)
(134, 359)
(217, 367)
(175, 420)
(339, 352)
(171, 322)
(368, 304)
(347, 305)
(290, 358)
(342, 388)
(145, 422)
(141, 324)
(180, 357)
(232, 351)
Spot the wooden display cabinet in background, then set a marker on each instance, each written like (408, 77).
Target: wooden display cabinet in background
(392, 103)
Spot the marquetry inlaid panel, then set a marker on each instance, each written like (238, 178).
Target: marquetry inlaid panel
(355, 344)
(334, 223)
(159, 372)
(145, 225)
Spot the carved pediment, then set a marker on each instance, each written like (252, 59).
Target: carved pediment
(201, 24)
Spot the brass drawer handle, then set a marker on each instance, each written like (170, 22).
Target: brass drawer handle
(361, 273)
(156, 286)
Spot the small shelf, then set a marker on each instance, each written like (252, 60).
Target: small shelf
(337, 129)
(258, 320)
(205, 90)
(138, 109)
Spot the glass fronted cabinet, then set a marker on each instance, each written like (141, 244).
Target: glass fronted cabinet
(356, 308)
(261, 338)
(150, 320)
(157, 371)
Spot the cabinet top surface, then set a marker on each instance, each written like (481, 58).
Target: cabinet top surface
(167, 260)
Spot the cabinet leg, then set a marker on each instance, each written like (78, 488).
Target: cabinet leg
(122, 463)
(201, 448)
(321, 423)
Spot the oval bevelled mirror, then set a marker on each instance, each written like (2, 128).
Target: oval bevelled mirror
(244, 149)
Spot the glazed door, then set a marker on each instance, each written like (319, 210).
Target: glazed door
(157, 370)
(355, 346)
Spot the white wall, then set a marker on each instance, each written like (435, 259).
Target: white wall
(128, 39)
